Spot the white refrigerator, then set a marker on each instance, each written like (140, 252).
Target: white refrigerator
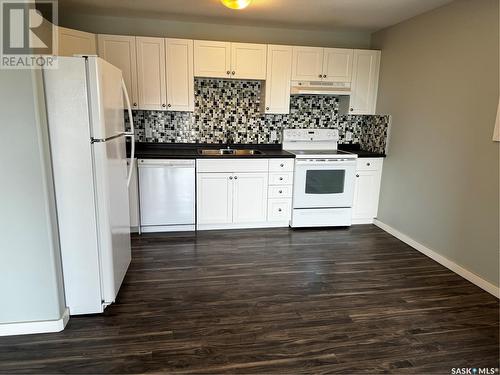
(85, 112)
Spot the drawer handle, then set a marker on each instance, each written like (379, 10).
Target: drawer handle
(281, 178)
(282, 165)
(368, 164)
(281, 191)
(279, 210)
(357, 175)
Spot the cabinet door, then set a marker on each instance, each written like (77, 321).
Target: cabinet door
(250, 197)
(337, 64)
(364, 85)
(212, 59)
(120, 51)
(151, 73)
(75, 42)
(248, 61)
(279, 69)
(307, 64)
(215, 198)
(366, 192)
(180, 78)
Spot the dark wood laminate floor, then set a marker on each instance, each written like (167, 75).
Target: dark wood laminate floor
(275, 301)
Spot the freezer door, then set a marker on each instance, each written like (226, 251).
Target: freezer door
(113, 220)
(106, 99)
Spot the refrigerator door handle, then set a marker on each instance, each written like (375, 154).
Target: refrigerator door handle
(130, 134)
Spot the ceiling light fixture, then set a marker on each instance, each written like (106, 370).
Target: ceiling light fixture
(236, 4)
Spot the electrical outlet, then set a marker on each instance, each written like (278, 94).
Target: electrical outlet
(348, 136)
(274, 136)
(149, 132)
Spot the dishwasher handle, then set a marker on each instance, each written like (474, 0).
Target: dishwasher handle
(166, 163)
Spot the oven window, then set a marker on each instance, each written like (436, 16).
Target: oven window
(325, 181)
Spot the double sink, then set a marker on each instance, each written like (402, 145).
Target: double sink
(228, 151)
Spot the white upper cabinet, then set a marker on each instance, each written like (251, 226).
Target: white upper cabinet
(279, 69)
(229, 60)
(337, 64)
(248, 61)
(325, 64)
(212, 59)
(151, 73)
(180, 77)
(307, 64)
(366, 65)
(75, 42)
(120, 51)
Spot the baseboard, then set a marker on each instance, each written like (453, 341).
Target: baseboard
(27, 328)
(261, 225)
(459, 270)
(362, 221)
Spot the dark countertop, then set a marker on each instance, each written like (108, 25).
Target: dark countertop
(355, 149)
(145, 150)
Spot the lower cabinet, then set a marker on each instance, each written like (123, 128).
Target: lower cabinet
(249, 197)
(214, 198)
(232, 198)
(367, 190)
(236, 193)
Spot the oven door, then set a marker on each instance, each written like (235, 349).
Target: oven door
(324, 183)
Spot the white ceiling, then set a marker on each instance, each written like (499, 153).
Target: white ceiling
(361, 15)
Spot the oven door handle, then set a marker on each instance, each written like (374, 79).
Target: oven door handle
(327, 162)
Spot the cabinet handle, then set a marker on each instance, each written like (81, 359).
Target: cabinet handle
(267, 108)
(281, 191)
(320, 76)
(233, 72)
(235, 177)
(281, 178)
(352, 109)
(368, 164)
(357, 175)
(230, 177)
(169, 105)
(282, 165)
(135, 104)
(228, 72)
(163, 105)
(324, 75)
(279, 210)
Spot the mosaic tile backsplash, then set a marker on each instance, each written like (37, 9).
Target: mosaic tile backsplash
(232, 108)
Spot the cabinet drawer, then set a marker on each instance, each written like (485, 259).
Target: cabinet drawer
(280, 191)
(281, 165)
(279, 209)
(285, 178)
(369, 164)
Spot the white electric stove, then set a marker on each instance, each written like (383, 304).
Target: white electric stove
(323, 189)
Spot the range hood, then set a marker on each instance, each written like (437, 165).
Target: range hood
(320, 88)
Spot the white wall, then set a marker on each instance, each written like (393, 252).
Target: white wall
(439, 80)
(31, 286)
(210, 31)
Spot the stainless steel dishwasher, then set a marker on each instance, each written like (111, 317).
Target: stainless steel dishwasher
(167, 194)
